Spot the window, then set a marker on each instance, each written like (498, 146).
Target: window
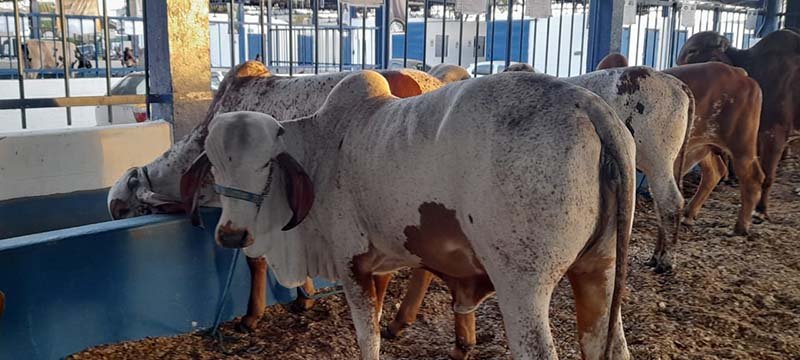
(626, 40)
(479, 47)
(438, 44)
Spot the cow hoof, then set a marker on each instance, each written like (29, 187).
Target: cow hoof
(652, 262)
(301, 305)
(738, 231)
(460, 354)
(663, 268)
(248, 324)
(688, 221)
(393, 331)
(760, 217)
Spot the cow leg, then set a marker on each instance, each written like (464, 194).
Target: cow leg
(525, 306)
(592, 280)
(713, 169)
(771, 145)
(258, 293)
(415, 292)
(381, 283)
(361, 294)
(467, 294)
(750, 179)
(668, 203)
(303, 302)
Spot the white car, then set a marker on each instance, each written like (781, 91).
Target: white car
(485, 66)
(134, 84)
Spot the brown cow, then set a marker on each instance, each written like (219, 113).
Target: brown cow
(727, 104)
(774, 62)
(613, 60)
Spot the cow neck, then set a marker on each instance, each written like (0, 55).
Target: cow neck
(301, 252)
(165, 171)
(740, 58)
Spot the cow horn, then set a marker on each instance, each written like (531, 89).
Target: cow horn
(299, 189)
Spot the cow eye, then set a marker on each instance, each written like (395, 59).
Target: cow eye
(133, 182)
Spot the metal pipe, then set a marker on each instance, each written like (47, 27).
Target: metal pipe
(424, 35)
(146, 62)
(460, 36)
(571, 35)
(533, 54)
(475, 44)
(405, 38)
(547, 45)
(521, 30)
(291, 40)
(230, 31)
(491, 49)
(269, 33)
(261, 29)
(444, 28)
(67, 64)
(20, 65)
(638, 38)
(341, 37)
(510, 19)
(364, 37)
(560, 29)
(107, 38)
(583, 34)
(315, 14)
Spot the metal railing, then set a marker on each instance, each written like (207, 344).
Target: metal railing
(658, 34)
(53, 57)
(429, 32)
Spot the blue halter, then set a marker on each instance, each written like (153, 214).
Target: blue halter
(244, 195)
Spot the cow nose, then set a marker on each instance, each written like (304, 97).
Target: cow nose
(229, 237)
(119, 210)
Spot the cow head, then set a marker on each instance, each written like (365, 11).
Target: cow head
(132, 195)
(705, 46)
(262, 188)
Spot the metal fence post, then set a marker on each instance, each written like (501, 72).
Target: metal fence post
(605, 30)
(182, 38)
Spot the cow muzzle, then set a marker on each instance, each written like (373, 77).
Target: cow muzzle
(119, 210)
(230, 237)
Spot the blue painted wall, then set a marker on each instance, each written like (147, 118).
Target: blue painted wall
(415, 42)
(498, 41)
(45, 213)
(155, 275)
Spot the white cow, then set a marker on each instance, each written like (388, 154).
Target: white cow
(48, 54)
(155, 188)
(658, 109)
(513, 180)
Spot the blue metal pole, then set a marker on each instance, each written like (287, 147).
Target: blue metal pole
(770, 18)
(600, 18)
(242, 50)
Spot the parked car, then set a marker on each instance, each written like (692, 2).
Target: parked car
(485, 66)
(134, 84)
(410, 63)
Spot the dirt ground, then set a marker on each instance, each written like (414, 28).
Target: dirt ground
(728, 298)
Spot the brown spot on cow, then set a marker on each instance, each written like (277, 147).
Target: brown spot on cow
(629, 80)
(441, 243)
(252, 69)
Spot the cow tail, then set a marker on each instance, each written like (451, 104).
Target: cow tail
(682, 155)
(618, 177)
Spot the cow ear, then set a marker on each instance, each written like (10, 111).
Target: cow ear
(191, 182)
(299, 189)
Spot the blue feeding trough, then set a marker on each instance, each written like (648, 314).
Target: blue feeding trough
(155, 275)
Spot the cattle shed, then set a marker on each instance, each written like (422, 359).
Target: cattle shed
(138, 75)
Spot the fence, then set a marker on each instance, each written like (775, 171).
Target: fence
(48, 40)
